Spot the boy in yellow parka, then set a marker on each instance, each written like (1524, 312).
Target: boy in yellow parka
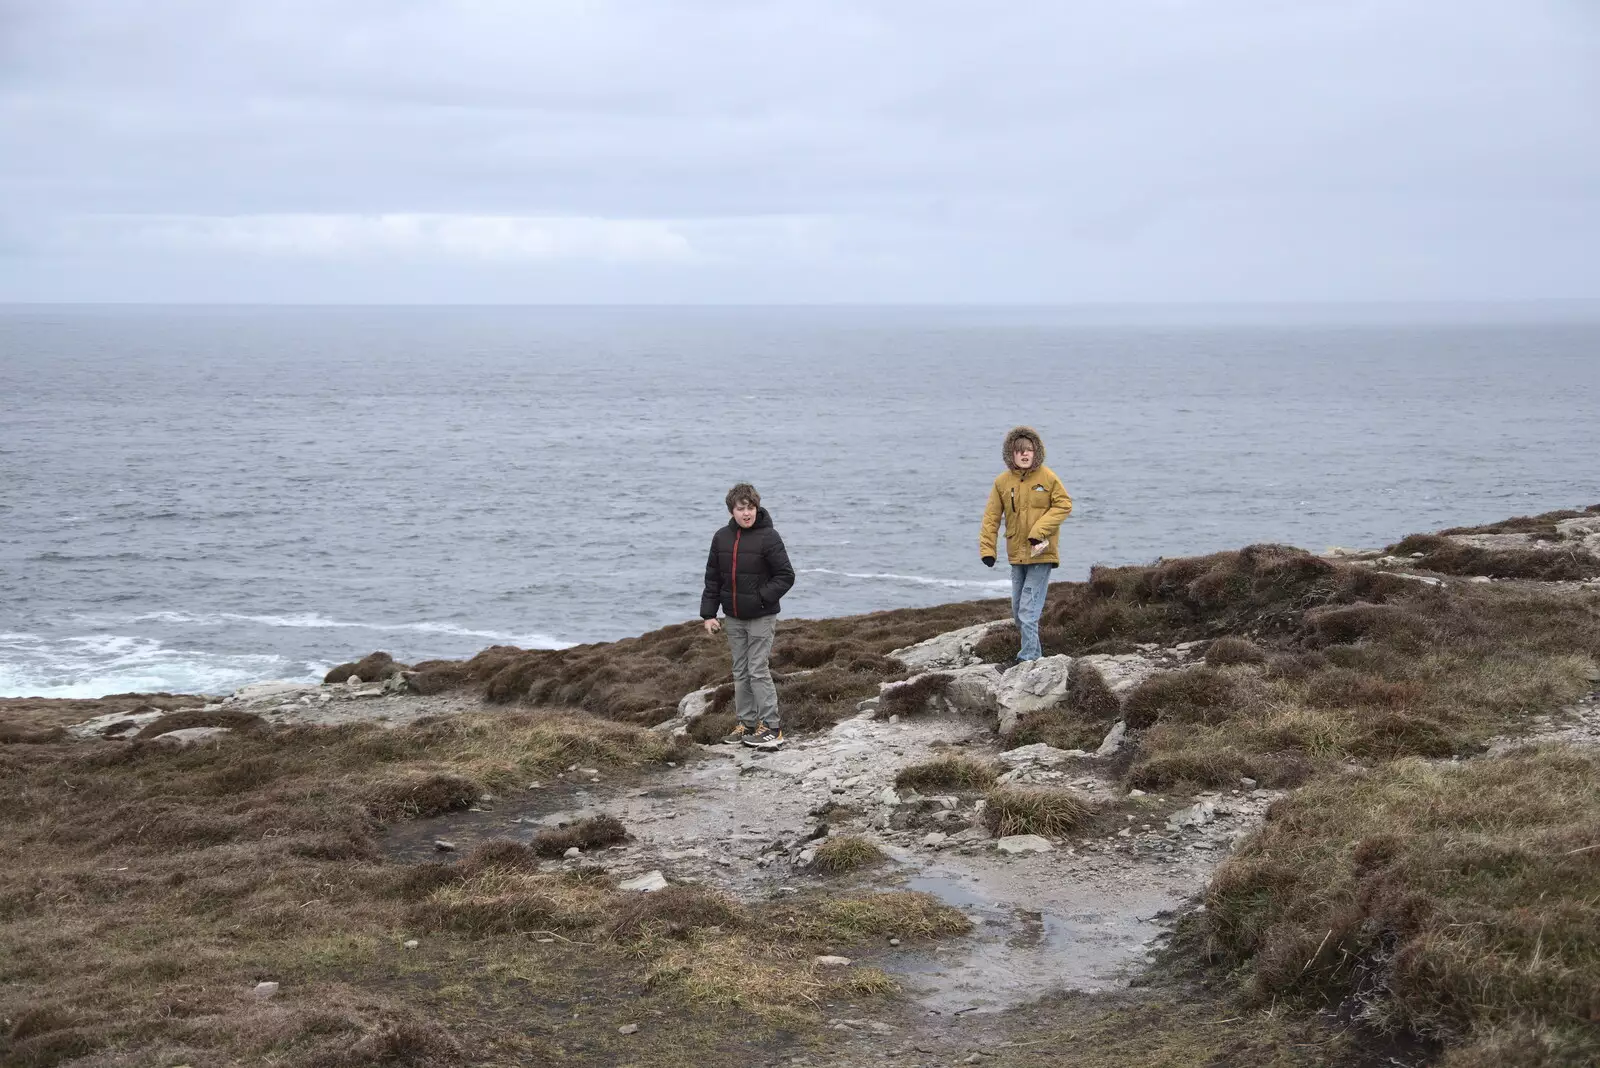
(1032, 501)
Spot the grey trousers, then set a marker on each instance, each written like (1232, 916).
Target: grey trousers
(755, 698)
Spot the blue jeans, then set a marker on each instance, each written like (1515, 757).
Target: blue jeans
(1028, 582)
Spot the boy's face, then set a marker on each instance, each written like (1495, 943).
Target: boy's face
(1022, 455)
(744, 513)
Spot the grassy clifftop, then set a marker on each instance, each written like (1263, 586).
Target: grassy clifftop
(1429, 889)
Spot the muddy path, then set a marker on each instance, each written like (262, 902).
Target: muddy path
(1081, 916)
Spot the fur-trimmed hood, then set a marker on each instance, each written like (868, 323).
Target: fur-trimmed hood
(1011, 439)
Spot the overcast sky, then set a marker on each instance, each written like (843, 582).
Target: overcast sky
(813, 150)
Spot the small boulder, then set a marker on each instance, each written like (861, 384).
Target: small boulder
(443, 846)
(1030, 686)
(828, 960)
(264, 990)
(627, 1029)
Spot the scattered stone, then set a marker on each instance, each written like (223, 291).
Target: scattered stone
(263, 991)
(443, 846)
(627, 1029)
(411, 943)
(1196, 815)
(935, 839)
(649, 882)
(889, 797)
(572, 853)
(1023, 843)
(353, 681)
(1136, 793)
(828, 960)
(1247, 783)
(894, 941)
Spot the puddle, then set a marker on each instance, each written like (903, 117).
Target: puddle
(1022, 948)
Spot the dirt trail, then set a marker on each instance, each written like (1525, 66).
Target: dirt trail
(1082, 916)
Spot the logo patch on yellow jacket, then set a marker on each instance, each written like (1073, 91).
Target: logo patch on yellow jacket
(1040, 489)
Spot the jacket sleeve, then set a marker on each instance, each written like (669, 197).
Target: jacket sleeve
(990, 530)
(1050, 522)
(778, 566)
(711, 599)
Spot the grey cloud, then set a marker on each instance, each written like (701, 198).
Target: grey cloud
(1232, 149)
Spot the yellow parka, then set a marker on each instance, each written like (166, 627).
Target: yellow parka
(1032, 504)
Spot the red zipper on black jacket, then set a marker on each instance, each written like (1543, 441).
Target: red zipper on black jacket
(735, 602)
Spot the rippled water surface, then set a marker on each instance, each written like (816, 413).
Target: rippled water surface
(195, 498)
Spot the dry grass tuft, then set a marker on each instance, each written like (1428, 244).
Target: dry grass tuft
(1193, 695)
(194, 717)
(1228, 650)
(374, 667)
(906, 914)
(1452, 558)
(1542, 524)
(593, 833)
(676, 912)
(951, 772)
(498, 853)
(846, 853)
(917, 697)
(1048, 810)
(1446, 900)
(420, 796)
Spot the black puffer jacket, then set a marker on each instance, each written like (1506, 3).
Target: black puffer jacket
(747, 572)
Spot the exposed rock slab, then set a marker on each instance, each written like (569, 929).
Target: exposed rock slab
(949, 650)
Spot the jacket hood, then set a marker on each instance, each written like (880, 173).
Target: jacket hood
(1011, 439)
(762, 520)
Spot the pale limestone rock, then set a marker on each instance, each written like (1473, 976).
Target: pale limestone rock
(649, 882)
(97, 727)
(1038, 754)
(949, 650)
(191, 735)
(1023, 843)
(1113, 740)
(1030, 686)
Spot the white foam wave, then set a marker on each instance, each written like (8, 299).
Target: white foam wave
(316, 622)
(93, 665)
(919, 580)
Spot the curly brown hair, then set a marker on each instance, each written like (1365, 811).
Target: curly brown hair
(743, 493)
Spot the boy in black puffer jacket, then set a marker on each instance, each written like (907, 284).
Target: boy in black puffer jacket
(747, 573)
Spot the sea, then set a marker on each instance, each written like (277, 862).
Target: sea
(196, 498)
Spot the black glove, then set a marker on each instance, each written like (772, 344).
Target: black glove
(988, 561)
